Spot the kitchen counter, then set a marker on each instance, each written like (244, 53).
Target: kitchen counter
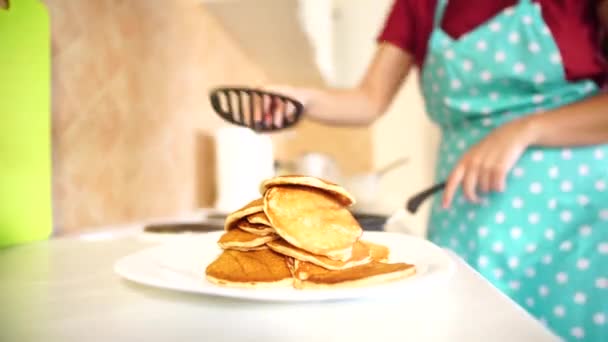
(66, 290)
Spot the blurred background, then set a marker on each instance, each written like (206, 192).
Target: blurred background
(133, 133)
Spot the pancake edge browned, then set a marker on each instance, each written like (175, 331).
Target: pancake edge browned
(290, 265)
(259, 241)
(363, 282)
(340, 254)
(252, 228)
(248, 249)
(287, 282)
(376, 246)
(250, 208)
(300, 254)
(254, 219)
(335, 190)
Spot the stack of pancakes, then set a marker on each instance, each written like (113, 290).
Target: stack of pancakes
(302, 234)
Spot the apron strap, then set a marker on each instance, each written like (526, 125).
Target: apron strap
(441, 5)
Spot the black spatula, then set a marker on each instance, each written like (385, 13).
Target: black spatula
(255, 109)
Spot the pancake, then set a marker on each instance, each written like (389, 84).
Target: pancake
(337, 191)
(236, 238)
(255, 206)
(259, 218)
(377, 252)
(249, 249)
(257, 229)
(312, 220)
(291, 265)
(257, 269)
(310, 276)
(361, 255)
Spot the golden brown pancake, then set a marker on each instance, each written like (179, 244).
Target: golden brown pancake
(259, 218)
(310, 276)
(361, 255)
(337, 191)
(251, 208)
(377, 252)
(249, 249)
(257, 229)
(312, 220)
(291, 265)
(263, 268)
(236, 238)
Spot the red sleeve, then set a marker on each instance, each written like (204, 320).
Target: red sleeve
(399, 28)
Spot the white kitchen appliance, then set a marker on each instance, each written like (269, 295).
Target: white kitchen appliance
(244, 159)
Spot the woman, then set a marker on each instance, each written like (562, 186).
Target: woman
(515, 88)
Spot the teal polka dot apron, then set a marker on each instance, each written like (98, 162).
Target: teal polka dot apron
(543, 241)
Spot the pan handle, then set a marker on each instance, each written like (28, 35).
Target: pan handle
(414, 202)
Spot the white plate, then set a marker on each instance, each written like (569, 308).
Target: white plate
(180, 266)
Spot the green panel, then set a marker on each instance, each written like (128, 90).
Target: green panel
(25, 123)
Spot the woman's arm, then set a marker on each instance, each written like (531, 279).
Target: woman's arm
(581, 123)
(364, 103)
(486, 165)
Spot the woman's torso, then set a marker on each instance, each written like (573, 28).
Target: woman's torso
(541, 241)
(572, 23)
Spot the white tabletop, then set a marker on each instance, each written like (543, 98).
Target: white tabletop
(66, 290)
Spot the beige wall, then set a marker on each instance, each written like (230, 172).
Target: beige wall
(405, 130)
(131, 120)
(130, 115)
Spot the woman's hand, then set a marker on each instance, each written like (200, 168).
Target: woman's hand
(486, 165)
(281, 112)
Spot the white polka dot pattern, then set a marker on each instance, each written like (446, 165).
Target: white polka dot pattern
(514, 37)
(599, 318)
